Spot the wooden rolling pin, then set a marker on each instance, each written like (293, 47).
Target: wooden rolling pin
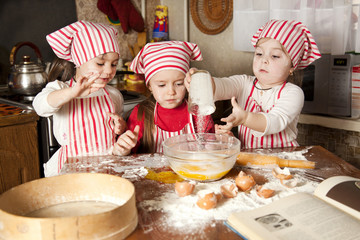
(259, 159)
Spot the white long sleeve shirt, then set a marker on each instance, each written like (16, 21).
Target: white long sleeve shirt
(60, 115)
(280, 105)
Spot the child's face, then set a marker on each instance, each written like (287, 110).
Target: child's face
(104, 64)
(168, 88)
(271, 65)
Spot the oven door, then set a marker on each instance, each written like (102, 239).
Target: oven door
(47, 142)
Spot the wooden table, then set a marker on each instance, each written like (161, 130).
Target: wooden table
(149, 227)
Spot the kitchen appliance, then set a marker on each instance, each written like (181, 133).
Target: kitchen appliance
(328, 86)
(47, 142)
(26, 78)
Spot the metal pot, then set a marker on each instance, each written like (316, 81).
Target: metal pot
(27, 78)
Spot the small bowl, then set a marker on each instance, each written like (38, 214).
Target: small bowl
(201, 156)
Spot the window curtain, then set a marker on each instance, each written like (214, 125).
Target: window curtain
(333, 23)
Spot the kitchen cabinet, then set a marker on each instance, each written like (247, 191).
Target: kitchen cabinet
(19, 154)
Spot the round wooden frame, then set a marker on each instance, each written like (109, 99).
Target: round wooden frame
(211, 16)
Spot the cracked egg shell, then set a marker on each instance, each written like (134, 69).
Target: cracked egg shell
(229, 190)
(283, 174)
(184, 188)
(244, 182)
(207, 200)
(265, 193)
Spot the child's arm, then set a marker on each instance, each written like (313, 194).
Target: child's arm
(254, 121)
(126, 142)
(83, 87)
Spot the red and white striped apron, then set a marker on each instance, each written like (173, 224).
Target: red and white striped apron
(275, 140)
(90, 129)
(160, 135)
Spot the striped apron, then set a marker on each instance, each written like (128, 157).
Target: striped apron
(275, 140)
(90, 129)
(160, 135)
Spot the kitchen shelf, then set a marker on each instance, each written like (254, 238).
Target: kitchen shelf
(331, 122)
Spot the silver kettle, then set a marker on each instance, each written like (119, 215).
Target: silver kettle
(26, 78)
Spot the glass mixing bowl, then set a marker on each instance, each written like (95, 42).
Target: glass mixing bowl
(201, 156)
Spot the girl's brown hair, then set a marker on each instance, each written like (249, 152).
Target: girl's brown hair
(61, 69)
(146, 109)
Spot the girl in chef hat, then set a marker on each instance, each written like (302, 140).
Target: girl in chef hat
(266, 107)
(165, 112)
(86, 111)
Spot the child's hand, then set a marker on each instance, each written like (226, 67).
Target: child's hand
(117, 122)
(126, 142)
(87, 84)
(187, 79)
(223, 129)
(236, 118)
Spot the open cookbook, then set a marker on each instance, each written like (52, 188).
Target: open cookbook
(332, 212)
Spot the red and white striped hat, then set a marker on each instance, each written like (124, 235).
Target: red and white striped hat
(296, 39)
(81, 41)
(158, 56)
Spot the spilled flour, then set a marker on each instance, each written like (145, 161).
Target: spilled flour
(183, 215)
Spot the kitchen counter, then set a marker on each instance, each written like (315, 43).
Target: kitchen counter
(163, 215)
(348, 124)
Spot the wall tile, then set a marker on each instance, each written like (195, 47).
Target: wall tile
(344, 144)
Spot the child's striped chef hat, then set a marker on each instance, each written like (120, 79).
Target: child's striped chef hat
(158, 56)
(296, 39)
(81, 41)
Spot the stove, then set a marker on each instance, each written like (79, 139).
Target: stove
(48, 145)
(131, 99)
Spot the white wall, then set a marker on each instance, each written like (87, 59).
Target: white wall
(220, 59)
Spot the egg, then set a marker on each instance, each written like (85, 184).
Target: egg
(244, 182)
(265, 193)
(184, 188)
(207, 200)
(229, 190)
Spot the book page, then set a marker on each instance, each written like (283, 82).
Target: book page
(342, 192)
(299, 216)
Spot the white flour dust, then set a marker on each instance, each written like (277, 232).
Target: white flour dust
(132, 167)
(202, 123)
(135, 173)
(181, 214)
(138, 169)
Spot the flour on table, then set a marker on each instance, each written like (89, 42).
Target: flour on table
(138, 169)
(294, 155)
(135, 173)
(183, 215)
(132, 167)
